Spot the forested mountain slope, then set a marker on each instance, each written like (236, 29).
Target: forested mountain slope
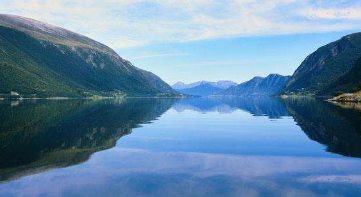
(42, 60)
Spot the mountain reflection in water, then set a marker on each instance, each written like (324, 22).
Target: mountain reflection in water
(39, 135)
(262, 106)
(336, 126)
(339, 128)
(195, 147)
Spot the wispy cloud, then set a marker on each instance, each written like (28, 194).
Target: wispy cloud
(130, 23)
(331, 14)
(158, 55)
(227, 63)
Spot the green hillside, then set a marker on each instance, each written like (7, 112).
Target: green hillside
(349, 83)
(323, 68)
(37, 59)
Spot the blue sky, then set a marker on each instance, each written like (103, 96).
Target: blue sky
(190, 40)
(236, 59)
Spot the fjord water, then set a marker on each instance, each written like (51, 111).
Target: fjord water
(172, 147)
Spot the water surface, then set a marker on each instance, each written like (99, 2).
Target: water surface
(170, 147)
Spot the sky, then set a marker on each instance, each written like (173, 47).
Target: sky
(191, 40)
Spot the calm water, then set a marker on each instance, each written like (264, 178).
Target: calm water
(169, 147)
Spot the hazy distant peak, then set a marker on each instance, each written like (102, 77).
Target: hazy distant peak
(277, 75)
(222, 84)
(257, 78)
(258, 86)
(274, 75)
(179, 85)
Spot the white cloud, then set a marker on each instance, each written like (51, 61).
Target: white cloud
(131, 23)
(146, 56)
(348, 13)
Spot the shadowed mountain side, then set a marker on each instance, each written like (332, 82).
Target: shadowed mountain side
(336, 127)
(319, 72)
(350, 82)
(258, 86)
(37, 137)
(263, 106)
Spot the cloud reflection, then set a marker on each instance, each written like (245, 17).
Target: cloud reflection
(136, 172)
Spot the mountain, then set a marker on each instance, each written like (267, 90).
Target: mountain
(43, 60)
(350, 82)
(323, 68)
(201, 90)
(223, 84)
(180, 85)
(243, 88)
(258, 86)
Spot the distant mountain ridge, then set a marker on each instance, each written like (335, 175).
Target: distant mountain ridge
(43, 60)
(222, 84)
(258, 86)
(201, 90)
(332, 69)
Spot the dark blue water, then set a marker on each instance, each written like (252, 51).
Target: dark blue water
(169, 147)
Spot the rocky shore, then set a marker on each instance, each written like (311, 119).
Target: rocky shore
(355, 97)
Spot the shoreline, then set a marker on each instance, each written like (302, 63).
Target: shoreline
(347, 98)
(86, 98)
